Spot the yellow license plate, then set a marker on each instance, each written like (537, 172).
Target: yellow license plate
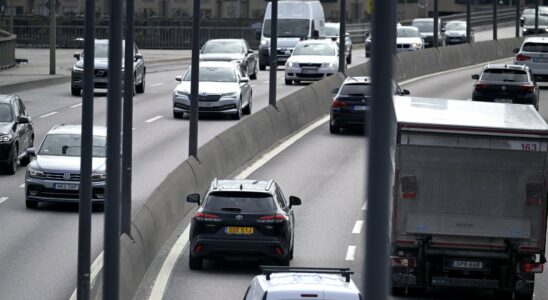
(239, 230)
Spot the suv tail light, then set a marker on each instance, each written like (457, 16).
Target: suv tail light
(521, 57)
(199, 216)
(480, 86)
(338, 104)
(531, 267)
(527, 88)
(272, 219)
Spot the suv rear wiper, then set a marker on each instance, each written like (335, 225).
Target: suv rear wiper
(236, 209)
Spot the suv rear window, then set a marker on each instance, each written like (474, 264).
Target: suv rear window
(507, 75)
(247, 202)
(535, 47)
(356, 89)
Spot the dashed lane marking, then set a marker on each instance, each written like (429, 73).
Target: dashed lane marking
(47, 115)
(22, 186)
(3, 199)
(76, 105)
(350, 253)
(157, 84)
(358, 227)
(154, 119)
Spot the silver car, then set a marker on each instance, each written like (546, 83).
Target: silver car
(54, 176)
(312, 60)
(224, 89)
(231, 50)
(534, 54)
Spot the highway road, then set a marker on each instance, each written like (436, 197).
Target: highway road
(39, 247)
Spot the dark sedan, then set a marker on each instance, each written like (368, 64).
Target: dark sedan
(231, 50)
(506, 84)
(16, 133)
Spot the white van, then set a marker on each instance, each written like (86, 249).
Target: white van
(281, 283)
(296, 20)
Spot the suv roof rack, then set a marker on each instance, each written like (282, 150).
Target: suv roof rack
(268, 270)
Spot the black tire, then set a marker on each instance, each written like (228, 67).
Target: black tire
(238, 114)
(262, 67)
(31, 204)
(349, 59)
(140, 88)
(178, 115)
(25, 161)
(195, 263)
(11, 168)
(291, 254)
(75, 91)
(247, 110)
(288, 82)
(334, 129)
(254, 75)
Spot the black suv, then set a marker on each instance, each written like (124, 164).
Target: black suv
(242, 218)
(16, 133)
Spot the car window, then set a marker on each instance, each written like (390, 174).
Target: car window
(504, 75)
(69, 145)
(5, 113)
(531, 21)
(247, 202)
(242, 72)
(455, 26)
(223, 47)
(16, 110)
(535, 47)
(314, 49)
(331, 30)
(280, 197)
(288, 27)
(22, 108)
(214, 74)
(408, 32)
(356, 89)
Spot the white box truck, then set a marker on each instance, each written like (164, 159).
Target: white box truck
(469, 196)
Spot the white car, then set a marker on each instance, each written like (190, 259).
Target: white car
(534, 54)
(312, 60)
(408, 38)
(281, 283)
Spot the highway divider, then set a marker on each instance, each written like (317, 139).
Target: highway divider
(166, 207)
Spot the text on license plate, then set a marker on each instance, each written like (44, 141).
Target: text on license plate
(101, 79)
(360, 107)
(540, 59)
(310, 71)
(503, 100)
(466, 264)
(206, 104)
(239, 230)
(66, 186)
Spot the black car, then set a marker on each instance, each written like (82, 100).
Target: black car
(351, 103)
(231, 50)
(248, 219)
(506, 84)
(16, 133)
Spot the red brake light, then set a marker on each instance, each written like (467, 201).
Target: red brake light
(207, 217)
(338, 104)
(480, 86)
(272, 219)
(521, 57)
(527, 88)
(532, 268)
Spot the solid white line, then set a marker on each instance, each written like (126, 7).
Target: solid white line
(157, 84)
(76, 105)
(48, 115)
(154, 119)
(2, 199)
(350, 253)
(358, 227)
(96, 267)
(22, 186)
(165, 272)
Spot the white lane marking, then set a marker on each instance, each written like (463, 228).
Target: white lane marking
(22, 186)
(76, 105)
(154, 119)
(350, 253)
(165, 272)
(3, 199)
(358, 227)
(157, 84)
(266, 81)
(253, 85)
(364, 206)
(48, 115)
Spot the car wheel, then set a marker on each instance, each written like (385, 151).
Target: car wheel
(195, 263)
(254, 75)
(238, 115)
(334, 129)
(288, 82)
(31, 204)
(140, 88)
(349, 59)
(178, 115)
(247, 109)
(12, 165)
(503, 294)
(262, 67)
(75, 91)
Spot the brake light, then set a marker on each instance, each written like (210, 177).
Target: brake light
(480, 86)
(521, 57)
(199, 216)
(272, 219)
(198, 248)
(279, 251)
(531, 267)
(527, 88)
(338, 104)
(405, 262)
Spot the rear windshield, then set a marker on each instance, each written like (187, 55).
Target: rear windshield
(356, 90)
(535, 47)
(241, 202)
(504, 75)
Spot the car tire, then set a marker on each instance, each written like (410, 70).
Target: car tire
(291, 254)
(30, 204)
(25, 161)
(349, 59)
(288, 82)
(195, 263)
(254, 75)
(11, 168)
(75, 91)
(238, 114)
(334, 129)
(140, 88)
(247, 110)
(284, 262)
(178, 115)
(262, 67)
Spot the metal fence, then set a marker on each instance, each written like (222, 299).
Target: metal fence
(7, 49)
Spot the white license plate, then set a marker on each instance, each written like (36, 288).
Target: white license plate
(206, 104)
(360, 107)
(282, 58)
(466, 264)
(540, 59)
(66, 186)
(310, 71)
(501, 100)
(101, 80)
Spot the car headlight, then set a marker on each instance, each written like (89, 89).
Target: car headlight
(35, 173)
(417, 45)
(98, 176)
(264, 42)
(329, 65)
(290, 64)
(181, 94)
(5, 138)
(229, 95)
(78, 69)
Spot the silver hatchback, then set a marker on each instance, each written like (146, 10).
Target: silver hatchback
(534, 54)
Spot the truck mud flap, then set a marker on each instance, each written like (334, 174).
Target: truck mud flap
(464, 282)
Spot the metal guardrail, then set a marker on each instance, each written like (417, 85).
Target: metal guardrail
(7, 49)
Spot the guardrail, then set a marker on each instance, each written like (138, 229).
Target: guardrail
(7, 50)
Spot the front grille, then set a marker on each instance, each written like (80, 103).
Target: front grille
(310, 75)
(404, 46)
(61, 176)
(207, 109)
(209, 98)
(310, 65)
(282, 51)
(100, 73)
(43, 192)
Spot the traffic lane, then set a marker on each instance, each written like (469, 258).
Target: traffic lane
(324, 224)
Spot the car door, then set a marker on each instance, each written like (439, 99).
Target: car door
(138, 66)
(282, 202)
(251, 60)
(245, 87)
(21, 130)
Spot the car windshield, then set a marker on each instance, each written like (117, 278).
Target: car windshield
(241, 202)
(408, 32)
(506, 75)
(455, 26)
(101, 50)
(69, 145)
(529, 11)
(314, 49)
(5, 113)
(331, 30)
(356, 89)
(214, 74)
(223, 47)
(289, 28)
(535, 47)
(424, 26)
(542, 21)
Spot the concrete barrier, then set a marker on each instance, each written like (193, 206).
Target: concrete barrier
(165, 208)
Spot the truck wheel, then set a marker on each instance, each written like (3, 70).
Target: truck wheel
(195, 263)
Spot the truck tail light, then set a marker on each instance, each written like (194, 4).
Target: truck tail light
(408, 187)
(533, 195)
(531, 267)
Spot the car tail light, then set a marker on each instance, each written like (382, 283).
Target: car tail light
(480, 86)
(338, 104)
(198, 248)
(531, 267)
(279, 251)
(406, 262)
(408, 187)
(272, 219)
(199, 216)
(521, 57)
(527, 88)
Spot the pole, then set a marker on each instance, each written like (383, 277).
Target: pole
(52, 36)
(436, 20)
(536, 16)
(85, 207)
(273, 53)
(127, 119)
(468, 18)
(342, 37)
(111, 287)
(378, 182)
(194, 81)
(495, 20)
(517, 17)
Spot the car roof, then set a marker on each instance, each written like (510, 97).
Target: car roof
(332, 24)
(536, 40)
(456, 21)
(225, 40)
(6, 98)
(76, 129)
(245, 185)
(220, 64)
(506, 66)
(306, 282)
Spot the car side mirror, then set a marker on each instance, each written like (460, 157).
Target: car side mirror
(193, 198)
(77, 56)
(406, 92)
(515, 50)
(249, 51)
(335, 90)
(138, 56)
(23, 120)
(475, 76)
(258, 35)
(31, 151)
(178, 78)
(294, 201)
